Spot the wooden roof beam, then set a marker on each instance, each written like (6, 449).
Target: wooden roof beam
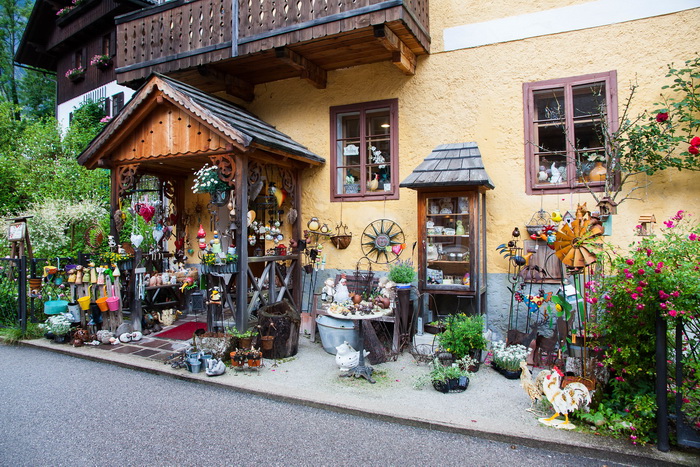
(401, 54)
(233, 85)
(311, 72)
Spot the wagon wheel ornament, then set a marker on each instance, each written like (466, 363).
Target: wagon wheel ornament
(381, 241)
(575, 241)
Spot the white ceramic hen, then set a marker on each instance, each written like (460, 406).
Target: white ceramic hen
(347, 357)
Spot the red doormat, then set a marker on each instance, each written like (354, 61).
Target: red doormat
(182, 332)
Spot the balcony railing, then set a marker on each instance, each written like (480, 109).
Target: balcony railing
(183, 35)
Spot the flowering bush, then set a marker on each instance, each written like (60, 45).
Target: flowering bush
(660, 274)
(74, 73)
(207, 180)
(509, 357)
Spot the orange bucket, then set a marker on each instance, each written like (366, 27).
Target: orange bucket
(102, 303)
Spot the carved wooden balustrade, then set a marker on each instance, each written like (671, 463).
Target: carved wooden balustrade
(201, 43)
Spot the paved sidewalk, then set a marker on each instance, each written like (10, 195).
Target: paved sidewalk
(492, 407)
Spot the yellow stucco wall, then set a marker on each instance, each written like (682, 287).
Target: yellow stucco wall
(476, 95)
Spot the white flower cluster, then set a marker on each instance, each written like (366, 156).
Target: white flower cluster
(58, 324)
(206, 180)
(509, 357)
(377, 157)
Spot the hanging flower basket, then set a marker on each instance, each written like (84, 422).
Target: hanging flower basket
(206, 180)
(101, 62)
(76, 74)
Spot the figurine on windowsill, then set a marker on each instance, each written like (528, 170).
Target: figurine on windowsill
(556, 174)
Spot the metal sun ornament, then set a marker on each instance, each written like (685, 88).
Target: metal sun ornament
(383, 241)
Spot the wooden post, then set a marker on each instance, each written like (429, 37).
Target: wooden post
(136, 311)
(241, 237)
(23, 293)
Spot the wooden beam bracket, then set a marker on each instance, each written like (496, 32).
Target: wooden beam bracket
(233, 85)
(401, 55)
(311, 72)
(127, 177)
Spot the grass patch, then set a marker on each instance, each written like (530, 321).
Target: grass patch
(14, 335)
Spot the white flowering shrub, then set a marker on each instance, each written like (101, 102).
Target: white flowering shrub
(509, 357)
(58, 225)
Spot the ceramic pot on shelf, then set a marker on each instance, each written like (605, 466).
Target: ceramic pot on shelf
(598, 173)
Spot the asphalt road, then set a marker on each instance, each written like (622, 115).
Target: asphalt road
(59, 410)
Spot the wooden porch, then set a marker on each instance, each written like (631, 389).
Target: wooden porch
(224, 46)
(169, 130)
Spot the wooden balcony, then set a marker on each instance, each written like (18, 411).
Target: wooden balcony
(199, 42)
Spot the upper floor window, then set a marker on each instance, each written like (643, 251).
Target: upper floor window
(364, 151)
(78, 61)
(107, 45)
(566, 121)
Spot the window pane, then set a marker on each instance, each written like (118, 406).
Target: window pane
(348, 180)
(348, 152)
(550, 137)
(588, 134)
(551, 169)
(549, 104)
(348, 125)
(589, 99)
(378, 122)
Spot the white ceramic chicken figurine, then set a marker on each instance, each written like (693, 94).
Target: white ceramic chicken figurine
(347, 357)
(572, 397)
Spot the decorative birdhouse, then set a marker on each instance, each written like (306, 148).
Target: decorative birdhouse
(646, 225)
(607, 207)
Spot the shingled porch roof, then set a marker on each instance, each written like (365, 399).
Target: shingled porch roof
(457, 164)
(237, 125)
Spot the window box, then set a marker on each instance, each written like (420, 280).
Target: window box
(364, 151)
(564, 123)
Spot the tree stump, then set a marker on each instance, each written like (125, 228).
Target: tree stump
(282, 321)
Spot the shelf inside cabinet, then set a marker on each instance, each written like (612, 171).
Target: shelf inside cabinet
(448, 215)
(444, 262)
(448, 236)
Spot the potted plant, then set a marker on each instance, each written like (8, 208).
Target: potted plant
(59, 326)
(76, 74)
(351, 186)
(435, 327)
(448, 378)
(102, 62)
(463, 336)
(506, 359)
(245, 338)
(206, 180)
(402, 273)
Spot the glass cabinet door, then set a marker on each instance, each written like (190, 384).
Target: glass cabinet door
(447, 242)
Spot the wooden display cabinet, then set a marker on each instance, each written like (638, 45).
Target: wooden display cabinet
(452, 253)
